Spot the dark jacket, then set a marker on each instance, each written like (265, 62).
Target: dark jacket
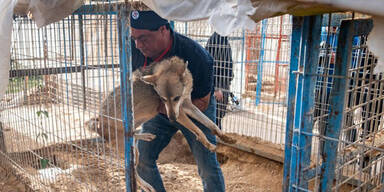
(200, 63)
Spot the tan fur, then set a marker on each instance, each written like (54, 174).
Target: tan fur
(162, 81)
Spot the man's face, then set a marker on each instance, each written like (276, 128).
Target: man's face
(150, 43)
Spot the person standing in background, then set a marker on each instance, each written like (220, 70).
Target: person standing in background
(220, 49)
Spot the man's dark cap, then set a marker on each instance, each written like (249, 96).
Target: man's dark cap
(148, 20)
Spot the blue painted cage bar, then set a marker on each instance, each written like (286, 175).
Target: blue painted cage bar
(295, 55)
(126, 94)
(300, 155)
(261, 62)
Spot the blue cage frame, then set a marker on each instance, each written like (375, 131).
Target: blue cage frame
(306, 33)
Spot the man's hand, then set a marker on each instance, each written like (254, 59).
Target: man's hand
(218, 95)
(202, 103)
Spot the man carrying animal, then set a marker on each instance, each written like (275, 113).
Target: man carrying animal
(154, 40)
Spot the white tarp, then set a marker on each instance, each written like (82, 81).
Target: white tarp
(6, 13)
(44, 12)
(375, 43)
(224, 15)
(229, 16)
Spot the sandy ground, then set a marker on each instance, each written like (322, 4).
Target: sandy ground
(9, 183)
(243, 172)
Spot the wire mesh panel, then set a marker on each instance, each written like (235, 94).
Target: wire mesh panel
(342, 151)
(360, 158)
(60, 77)
(251, 69)
(324, 80)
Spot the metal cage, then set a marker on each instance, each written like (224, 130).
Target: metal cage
(328, 99)
(60, 76)
(334, 129)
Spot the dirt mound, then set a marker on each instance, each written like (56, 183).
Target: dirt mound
(243, 171)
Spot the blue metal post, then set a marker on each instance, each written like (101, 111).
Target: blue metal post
(260, 63)
(242, 61)
(294, 161)
(301, 144)
(126, 95)
(349, 29)
(82, 60)
(295, 55)
(186, 28)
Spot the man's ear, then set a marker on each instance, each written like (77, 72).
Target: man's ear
(162, 28)
(150, 79)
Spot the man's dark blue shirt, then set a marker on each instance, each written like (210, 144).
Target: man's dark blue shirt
(200, 62)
